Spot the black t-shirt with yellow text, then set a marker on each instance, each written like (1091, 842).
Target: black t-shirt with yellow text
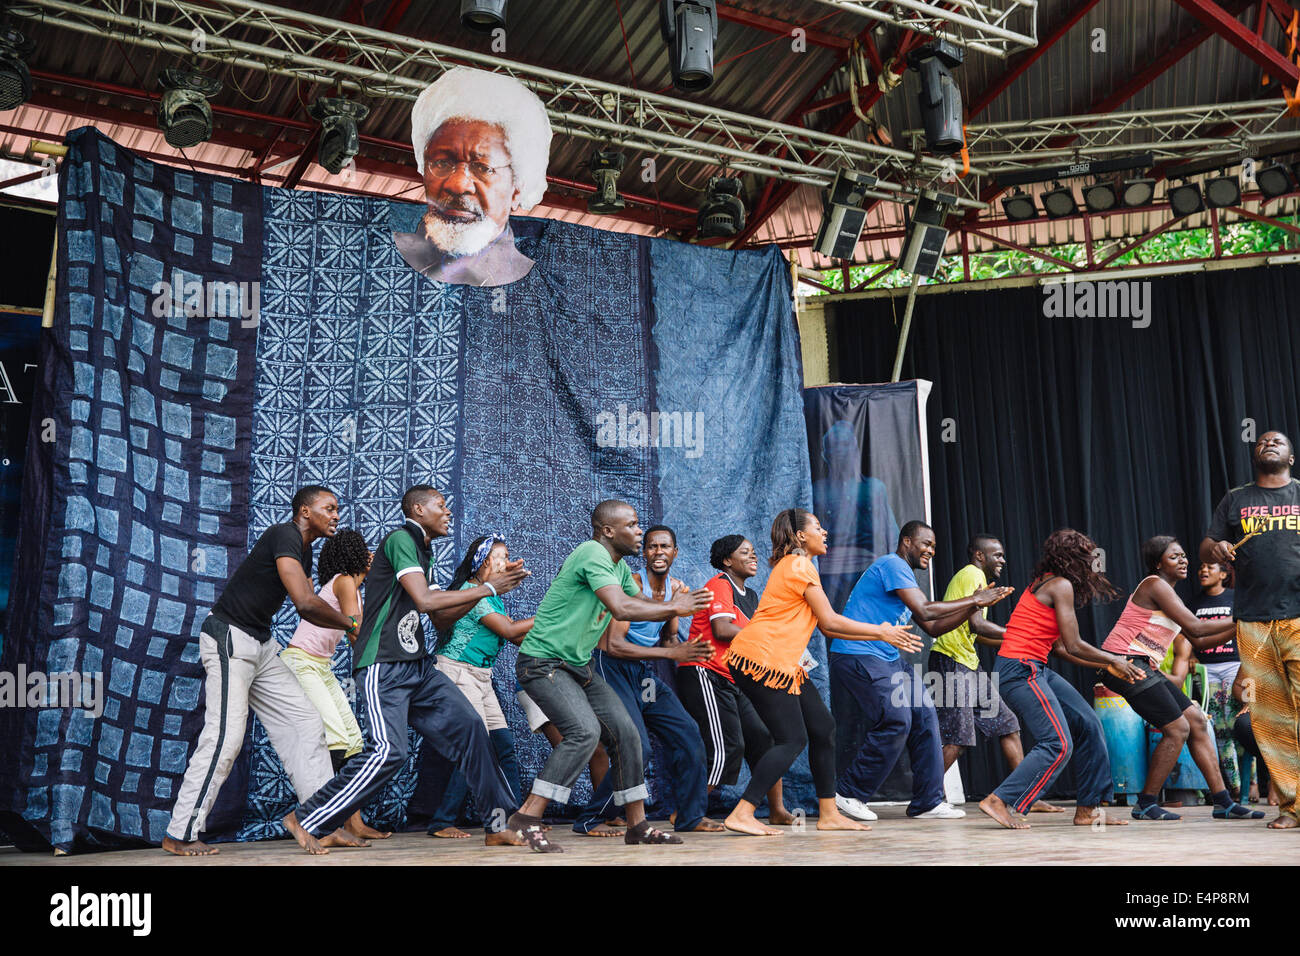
(1267, 569)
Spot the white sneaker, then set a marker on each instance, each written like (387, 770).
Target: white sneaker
(854, 808)
(944, 811)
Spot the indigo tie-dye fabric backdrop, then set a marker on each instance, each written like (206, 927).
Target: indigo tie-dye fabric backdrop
(179, 438)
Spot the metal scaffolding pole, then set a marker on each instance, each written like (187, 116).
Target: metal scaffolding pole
(981, 26)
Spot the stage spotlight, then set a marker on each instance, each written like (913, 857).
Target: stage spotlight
(1137, 192)
(940, 98)
(1100, 197)
(922, 248)
(1274, 181)
(483, 16)
(1019, 206)
(184, 115)
(843, 214)
(338, 139)
(1185, 199)
(1058, 202)
(1223, 191)
(722, 213)
(690, 28)
(605, 165)
(15, 79)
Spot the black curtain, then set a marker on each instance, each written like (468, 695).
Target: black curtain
(1120, 427)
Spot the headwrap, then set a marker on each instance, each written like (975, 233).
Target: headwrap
(484, 550)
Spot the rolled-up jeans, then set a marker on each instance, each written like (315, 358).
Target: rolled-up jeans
(585, 710)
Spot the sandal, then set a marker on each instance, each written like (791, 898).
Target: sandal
(1237, 812)
(1156, 813)
(537, 841)
(649, 835)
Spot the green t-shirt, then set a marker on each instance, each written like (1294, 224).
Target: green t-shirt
(571, 619)
(472, 643)
(959, 643)
(393, 630)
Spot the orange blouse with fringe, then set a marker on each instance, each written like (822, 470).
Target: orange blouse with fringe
(769, 647)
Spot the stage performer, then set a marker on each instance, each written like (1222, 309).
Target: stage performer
(244, 670)
(344, 561)
(593, 588)
(467, 654)
(1222, 663)
(954, 653)
(623, 659)
(767, 661)
(1263, 519)
(482, 142)
(403, 687)
(873, 674)
(1144, 632)
(1055, 713)
(730, 726)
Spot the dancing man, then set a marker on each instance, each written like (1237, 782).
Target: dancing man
(873, 674)
(1263, 518)
(244, 670)
(1055, 713)
(402, 686)
(554, 667)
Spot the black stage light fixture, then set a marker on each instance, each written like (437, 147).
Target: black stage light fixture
(1019, 206)
(843, 214)
(605, 165)
(925, 233)
(940, 98)
(15, 78)
(1274, 181)
(1137, 192)
(339, 141)
(1100, 197)
(690, 28)
(184, 115)
(1185, 199)
(1223, 191)
(722, 213)
(1058, 202)
(483, 16)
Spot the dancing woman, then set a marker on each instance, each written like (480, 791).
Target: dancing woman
(765, 662)
(1055, 713)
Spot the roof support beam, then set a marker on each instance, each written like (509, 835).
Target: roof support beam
(1226, 25)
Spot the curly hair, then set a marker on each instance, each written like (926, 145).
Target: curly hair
(784, 533)
(1070, 554)
(345, 553)
(723, 548)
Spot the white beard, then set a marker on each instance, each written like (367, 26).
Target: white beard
(460, 238)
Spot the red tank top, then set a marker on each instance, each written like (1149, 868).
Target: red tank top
(1032, 630)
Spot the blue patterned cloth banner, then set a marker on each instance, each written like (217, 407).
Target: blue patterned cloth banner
(181, 436)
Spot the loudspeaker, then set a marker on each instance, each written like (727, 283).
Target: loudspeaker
(922, 248)
(842, 214)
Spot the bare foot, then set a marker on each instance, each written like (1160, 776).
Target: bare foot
(618, 822)
(602, 830)
(450, 833)
(344, 838)
(503, 838)
(305, 839)
(193, 848)
(358, 827)
(709, 826)
(999, 811)
(672, 817)
(745, 823)
(1283, 822)
(780, 817)
(838, 821)
(1042, 806)
(1088, 816)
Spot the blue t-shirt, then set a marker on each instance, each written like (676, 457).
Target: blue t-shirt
(873, 601)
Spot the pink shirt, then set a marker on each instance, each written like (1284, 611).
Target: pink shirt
(1141, 632)
(314, 639)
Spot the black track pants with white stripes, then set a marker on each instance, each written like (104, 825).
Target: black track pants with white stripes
(730, 726)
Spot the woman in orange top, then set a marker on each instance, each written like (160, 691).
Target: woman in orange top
(766, 660)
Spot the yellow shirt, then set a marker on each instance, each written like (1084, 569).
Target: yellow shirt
(959, 643)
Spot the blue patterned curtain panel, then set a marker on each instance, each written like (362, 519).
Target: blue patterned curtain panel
(183, 425)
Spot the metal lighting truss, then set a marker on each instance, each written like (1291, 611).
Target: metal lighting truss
(376, 63)
(1221, 130)
(986, 27)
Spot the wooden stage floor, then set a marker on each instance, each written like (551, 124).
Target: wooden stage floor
(1197, 840)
